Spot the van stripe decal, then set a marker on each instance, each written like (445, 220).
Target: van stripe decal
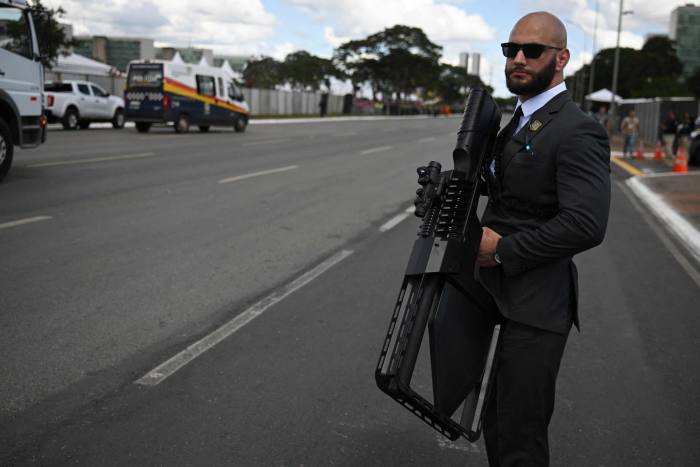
(181, 89)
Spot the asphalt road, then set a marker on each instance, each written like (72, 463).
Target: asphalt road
(144, 251)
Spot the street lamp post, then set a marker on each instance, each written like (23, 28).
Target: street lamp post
(591, 76)
(616, 64)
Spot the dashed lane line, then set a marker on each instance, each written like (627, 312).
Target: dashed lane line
(426, 140)
(94, 159)
(396, 220)
(169, 367)
(258, 174)
(29, 220)
(379, 149)
(267, 141)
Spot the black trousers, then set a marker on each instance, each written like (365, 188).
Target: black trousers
(522, 401)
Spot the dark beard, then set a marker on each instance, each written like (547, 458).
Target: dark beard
(539, 83)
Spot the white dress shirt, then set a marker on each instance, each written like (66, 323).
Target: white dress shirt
(534, 104)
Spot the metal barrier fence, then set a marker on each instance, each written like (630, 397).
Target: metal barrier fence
(274, 102)
(651, 113)
(261, 101)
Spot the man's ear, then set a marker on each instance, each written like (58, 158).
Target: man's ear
(562, 59)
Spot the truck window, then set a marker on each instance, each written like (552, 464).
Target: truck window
(145, 75)
(58, 87)
(83, 88)
(234, 91)
(206, 86)
(98, 91)
(221, 86)
(14, 32)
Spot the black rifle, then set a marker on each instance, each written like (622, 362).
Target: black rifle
(439, 290)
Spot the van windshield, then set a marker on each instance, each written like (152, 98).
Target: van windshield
(145, 75)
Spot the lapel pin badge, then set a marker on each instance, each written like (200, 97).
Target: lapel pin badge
(535, 125)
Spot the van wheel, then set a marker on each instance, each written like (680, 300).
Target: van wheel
(6, 148)
(240, 124)
(118, 119)
(204, 128)
(70, 119)
(84, 124)
(143, 127)
(182, 124)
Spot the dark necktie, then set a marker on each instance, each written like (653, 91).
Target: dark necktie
(503, 137)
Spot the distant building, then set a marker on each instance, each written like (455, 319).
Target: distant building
(464, 59)
(188, 54)
(685, 30)
(115, 51)
(475, 64)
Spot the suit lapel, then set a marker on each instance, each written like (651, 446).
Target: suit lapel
(535, 126)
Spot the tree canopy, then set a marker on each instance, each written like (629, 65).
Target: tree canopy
(653, 71)
(396, 62)
(52, 39)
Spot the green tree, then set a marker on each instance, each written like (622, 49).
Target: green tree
(305, 71)
(264, 73)
(653, 71)
(396, 61)
(454, 84)
(52, 39)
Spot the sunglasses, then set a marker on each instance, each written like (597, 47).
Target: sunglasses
(510, 49)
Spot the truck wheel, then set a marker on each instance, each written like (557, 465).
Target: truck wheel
(203, 128)
(70, 119)
(84, 124)
(182, 124)
(240, 124)
(118, 119)
(143, 127)
(6, 148)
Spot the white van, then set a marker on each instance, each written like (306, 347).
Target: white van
(160, 91)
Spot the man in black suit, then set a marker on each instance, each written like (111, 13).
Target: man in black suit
(549, 197)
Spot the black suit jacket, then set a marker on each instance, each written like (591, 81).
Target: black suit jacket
(549, 200)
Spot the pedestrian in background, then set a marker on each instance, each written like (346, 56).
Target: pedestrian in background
(669, 127)
(685, 128)
(630, 130)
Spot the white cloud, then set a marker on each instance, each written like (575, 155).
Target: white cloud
(231, 26)
(358, 18)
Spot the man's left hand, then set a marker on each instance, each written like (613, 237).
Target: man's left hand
(487, 248)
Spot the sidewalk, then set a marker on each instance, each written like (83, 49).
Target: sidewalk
(672, 197)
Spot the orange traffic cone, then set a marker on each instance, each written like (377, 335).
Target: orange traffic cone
(681, 162)
(658, 155)
(638, 154)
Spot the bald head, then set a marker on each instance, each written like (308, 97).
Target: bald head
(546, 26)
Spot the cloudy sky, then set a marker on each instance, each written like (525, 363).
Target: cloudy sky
(277, 27)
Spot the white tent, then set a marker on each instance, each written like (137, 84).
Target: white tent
(79, 65)
(203, 61)
(177, 58)
(603, 95)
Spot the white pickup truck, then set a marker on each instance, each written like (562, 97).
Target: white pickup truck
(79, 103)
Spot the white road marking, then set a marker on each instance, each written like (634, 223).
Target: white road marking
(169, 367)
(379, 149)
(28, 220)
(680, 257)
(396, 220)
(268, 141)
(95, 159)
(258, 174)
(426, 140)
